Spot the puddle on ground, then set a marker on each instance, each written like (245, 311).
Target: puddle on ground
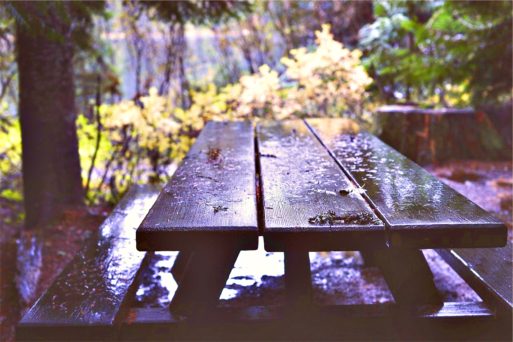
(342, 278)
(157, 285)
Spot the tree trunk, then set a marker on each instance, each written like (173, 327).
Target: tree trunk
(51, 165)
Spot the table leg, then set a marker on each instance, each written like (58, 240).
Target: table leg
(408, 276)
(298, 278)
(203, 280)
(368, 258)
(180, 265)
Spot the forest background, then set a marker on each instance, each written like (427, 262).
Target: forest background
(142, 78)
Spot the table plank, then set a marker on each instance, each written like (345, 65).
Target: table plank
(302, 204)
(418, 209)
(211, 198)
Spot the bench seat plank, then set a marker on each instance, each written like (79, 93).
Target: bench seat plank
(88, 294)
(211, 197)
(302, 203)
(452, 321)
(418, 209)
(487, 270)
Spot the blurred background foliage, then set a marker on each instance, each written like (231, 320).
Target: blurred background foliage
(150, 74)
(440, 53)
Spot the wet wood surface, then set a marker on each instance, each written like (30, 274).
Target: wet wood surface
(203, 280)
(307, 201)
(487, 270)
(93, 286)
(419, 210)
(452, 321)
(211, 197)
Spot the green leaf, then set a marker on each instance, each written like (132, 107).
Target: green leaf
(379, 9)
(12, 195)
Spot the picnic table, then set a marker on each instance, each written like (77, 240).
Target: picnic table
(306, 186)
(302, 185)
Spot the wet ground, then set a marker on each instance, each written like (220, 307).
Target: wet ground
(30, 264)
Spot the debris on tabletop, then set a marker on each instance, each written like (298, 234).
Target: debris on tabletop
(213, 154)
(351, 190)
(219, 208)
(267, 155)
(330, 217)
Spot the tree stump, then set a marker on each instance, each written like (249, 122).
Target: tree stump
(436, 135)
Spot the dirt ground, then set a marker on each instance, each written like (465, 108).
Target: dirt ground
(29, 263)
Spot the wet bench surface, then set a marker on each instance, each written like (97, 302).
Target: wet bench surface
(321, 182)
(487, 270)
(92, 288)
(307, 201)
(207, 211)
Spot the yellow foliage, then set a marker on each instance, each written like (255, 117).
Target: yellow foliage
(147, 136)
(328, 81)
(207, 105)
(10, 146)
(152, 122)
(259, 94)
(331, 79)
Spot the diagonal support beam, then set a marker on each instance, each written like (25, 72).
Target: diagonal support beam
(180, 265)
(408, 276)
(203, 280)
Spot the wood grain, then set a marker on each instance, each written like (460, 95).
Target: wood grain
(301, 184)
(418, 209)
(211, 198)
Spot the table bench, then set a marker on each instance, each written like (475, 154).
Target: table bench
(313, 185)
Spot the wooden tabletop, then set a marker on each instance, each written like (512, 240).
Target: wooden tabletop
(306, 198)
(309, 185)
(416, 207)
(211, 197)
